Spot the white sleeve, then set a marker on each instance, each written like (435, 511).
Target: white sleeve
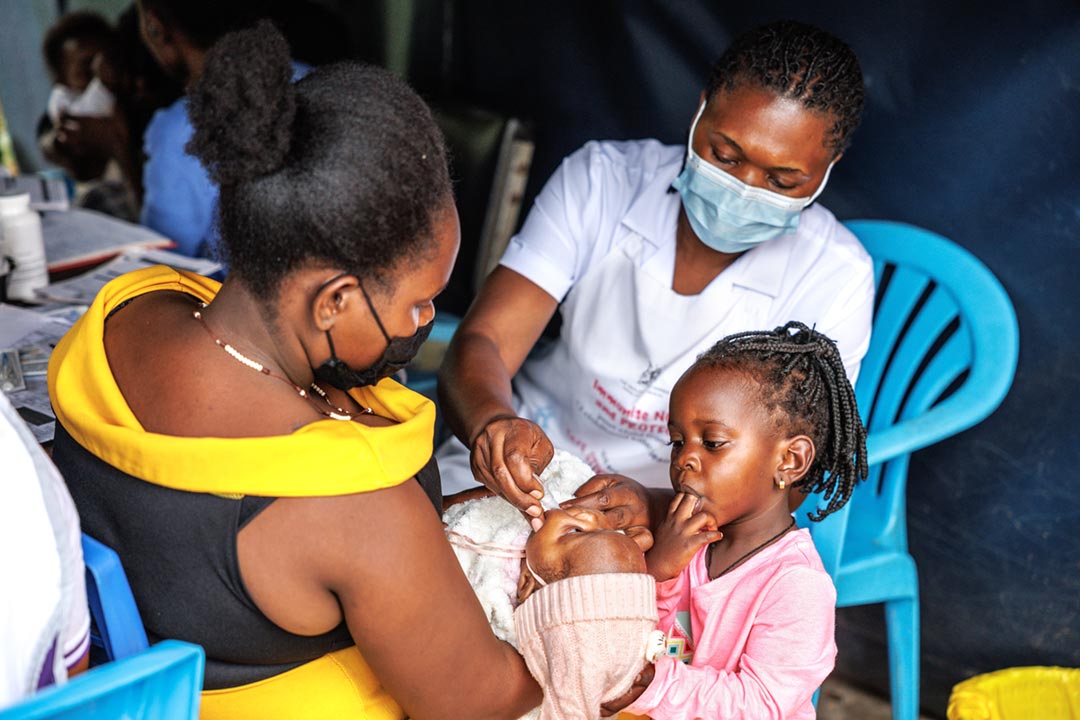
(833, 289)
(64, 519)
(561, 232)
(44, 614)
(75, 627)
(848, 320)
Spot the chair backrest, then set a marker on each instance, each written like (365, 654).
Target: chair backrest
(942, 357)
(490, 157)
(160, 683)
(117, 625)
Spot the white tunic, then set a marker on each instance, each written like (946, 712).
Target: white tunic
(44, 616)
(600, 238)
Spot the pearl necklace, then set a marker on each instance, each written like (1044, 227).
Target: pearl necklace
(334, 413)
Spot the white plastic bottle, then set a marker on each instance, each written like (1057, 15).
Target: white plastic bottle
(24, 245)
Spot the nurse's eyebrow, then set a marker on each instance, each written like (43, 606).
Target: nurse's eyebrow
(778, 169)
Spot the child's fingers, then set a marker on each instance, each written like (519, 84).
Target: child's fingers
(694, 542)
(683, 506)
(702, 521)
(674, 506)
(708, 537)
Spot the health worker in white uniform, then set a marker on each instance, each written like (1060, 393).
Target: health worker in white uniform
(652, 253)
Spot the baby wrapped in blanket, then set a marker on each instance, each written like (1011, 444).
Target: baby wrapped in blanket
(574, 598)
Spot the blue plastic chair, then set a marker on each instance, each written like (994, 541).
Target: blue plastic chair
(942, 357)
(117, 626)
(161, 683)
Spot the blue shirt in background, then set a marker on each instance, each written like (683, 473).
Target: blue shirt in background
(179, 199)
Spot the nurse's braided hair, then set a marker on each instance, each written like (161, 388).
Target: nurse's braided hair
(801, 376)
(800, 62)
(344, 169)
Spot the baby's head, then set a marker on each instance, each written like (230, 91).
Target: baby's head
(761, 413)
(71, 45)
(578, 541)
(585, 585)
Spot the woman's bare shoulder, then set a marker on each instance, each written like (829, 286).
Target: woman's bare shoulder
(178, 381)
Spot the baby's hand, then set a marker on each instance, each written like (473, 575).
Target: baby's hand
(679, 536)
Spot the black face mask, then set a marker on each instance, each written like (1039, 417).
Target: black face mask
(399, 352)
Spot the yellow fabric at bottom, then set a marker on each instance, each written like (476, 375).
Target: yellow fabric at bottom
(1046, 693)
(338, 685)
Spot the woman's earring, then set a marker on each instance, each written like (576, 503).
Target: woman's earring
(781, 483)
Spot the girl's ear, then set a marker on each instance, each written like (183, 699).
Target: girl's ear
(797, 455)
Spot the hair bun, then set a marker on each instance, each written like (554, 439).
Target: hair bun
(243, 105)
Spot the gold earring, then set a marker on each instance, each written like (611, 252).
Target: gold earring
(781, 483)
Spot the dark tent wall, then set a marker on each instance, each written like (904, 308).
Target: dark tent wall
(972, 129)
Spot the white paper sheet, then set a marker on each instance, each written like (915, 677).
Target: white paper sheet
(37, 333)
(82, 289)
(79, 236)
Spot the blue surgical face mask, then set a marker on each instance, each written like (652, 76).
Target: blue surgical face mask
(727, 214)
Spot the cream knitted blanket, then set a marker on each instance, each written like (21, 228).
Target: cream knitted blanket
(502, 529)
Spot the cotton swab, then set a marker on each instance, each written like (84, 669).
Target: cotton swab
(548, 502)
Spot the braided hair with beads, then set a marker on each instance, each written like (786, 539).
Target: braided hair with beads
(799, 62)
(801, 376)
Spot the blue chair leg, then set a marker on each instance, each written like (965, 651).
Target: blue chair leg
(902, 623)
(112, 606)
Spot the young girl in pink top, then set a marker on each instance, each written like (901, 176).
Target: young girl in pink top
(742, 594)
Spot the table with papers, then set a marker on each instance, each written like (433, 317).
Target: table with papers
(28, 334)
(80, 238)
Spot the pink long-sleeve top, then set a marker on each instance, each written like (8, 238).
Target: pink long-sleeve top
(763, 637)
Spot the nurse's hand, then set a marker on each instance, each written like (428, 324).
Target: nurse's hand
(624, 501)
(507, 455)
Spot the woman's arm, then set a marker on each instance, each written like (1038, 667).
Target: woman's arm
(498, 332)
(380, 559)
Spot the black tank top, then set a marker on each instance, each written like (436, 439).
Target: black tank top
(179, 553)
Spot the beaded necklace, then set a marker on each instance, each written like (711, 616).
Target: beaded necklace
(335, 413)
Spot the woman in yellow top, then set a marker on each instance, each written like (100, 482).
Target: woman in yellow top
(241, 446)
